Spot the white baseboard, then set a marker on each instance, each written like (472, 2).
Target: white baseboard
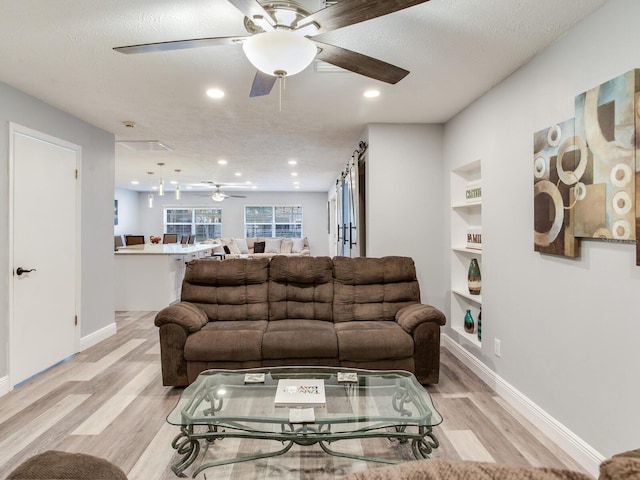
(585, 455)
(4, 385)
(97, 336)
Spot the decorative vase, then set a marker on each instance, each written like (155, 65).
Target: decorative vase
(468, 322)
(474, 279)
(479, 329)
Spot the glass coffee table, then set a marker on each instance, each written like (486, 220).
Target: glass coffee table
(379, 404)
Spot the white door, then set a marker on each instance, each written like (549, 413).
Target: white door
(43, 239)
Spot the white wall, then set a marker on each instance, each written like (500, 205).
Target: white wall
(127, 211)
(405, 199)
(96, 197)
(569, 328)
(314, 208)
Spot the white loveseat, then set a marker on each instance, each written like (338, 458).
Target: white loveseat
(245, 247)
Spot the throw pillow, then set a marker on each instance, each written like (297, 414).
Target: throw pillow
(272, 245)
(233, 246)
(258, 247)
(298, 245)
(227, 250)
(242, 245)
(285, 246)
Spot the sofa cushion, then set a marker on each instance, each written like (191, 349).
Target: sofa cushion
(299, 338)
(368, 289)
(300, 287)
(226, 341)
(286, 245)
(236, 289)
(623, 466)
(234, 247)
(242, 245)
(272, 245)
(377, 340)
(297, 245)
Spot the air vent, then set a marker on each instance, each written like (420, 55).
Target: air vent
(144, 145)
(328, 3)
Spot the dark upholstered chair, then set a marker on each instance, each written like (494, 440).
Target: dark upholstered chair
(117, 239)
(170, 238)
(192, 239)
(54, 465)
(184, 240)
(134, 240)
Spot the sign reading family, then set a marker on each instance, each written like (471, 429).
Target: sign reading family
(585, 171)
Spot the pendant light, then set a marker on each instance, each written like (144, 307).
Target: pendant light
(150, 195)
(161, 184)
(177, 186)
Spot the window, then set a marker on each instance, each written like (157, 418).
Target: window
(273, 221)
(204, 223)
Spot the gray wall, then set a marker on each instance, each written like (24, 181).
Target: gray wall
(569, 328)
(97, 169)
(127, 211)
(405, 200)
(314, 207)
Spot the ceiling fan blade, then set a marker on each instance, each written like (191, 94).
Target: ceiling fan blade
(236, 196)
(359, 63)
(343, 14)
(180, 44)
(262, 84)
(252, 9)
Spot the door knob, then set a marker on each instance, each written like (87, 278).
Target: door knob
(20, 270)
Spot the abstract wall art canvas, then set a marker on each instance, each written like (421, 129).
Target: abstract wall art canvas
(555, 152)
(606, 126)
(586, 177)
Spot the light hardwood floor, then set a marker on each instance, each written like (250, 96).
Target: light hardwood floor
(109, 401)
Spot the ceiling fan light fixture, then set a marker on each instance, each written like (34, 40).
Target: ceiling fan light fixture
(279, 53)
(217, 196)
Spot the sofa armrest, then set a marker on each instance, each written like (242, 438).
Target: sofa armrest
(189, 316)
(411, 316)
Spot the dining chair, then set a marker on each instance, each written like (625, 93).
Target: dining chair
(170, 238)
(118, 241)
(184, 240)
(192, 239)
(134, 240)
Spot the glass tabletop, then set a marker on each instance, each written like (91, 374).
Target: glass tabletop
(377, 399)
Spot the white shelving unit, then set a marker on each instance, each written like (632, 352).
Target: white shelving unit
(465, 215)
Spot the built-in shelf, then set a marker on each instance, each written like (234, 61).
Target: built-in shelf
(467, 250)
(466, 217)
(474, 204)
(477, 299)
(472, 338)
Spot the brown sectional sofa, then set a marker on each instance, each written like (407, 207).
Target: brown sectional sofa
(351, 312)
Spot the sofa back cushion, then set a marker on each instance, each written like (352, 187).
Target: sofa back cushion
(367, 289)
(233, 289)
(300, 288)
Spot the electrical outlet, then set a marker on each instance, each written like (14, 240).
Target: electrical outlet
(496, 347)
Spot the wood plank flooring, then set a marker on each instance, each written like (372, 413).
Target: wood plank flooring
(109, 401)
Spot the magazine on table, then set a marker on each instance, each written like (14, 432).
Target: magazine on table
(296, 392)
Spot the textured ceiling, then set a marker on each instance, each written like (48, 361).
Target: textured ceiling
(61, 52)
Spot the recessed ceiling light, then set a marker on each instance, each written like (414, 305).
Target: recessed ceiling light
(296, 182)
(222, 162)
(372, 93)
(173, 182)
(297, 186)
(154, 188)
(189, 187)
(254, 187)
(238, 174)
(292, 162)
(134, 182)
(215, 93)
(294, 174)
(247, 182)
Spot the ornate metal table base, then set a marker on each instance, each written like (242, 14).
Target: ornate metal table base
(187, 442)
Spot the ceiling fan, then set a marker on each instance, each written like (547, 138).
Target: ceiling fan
(279, 42)
(218, 195)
